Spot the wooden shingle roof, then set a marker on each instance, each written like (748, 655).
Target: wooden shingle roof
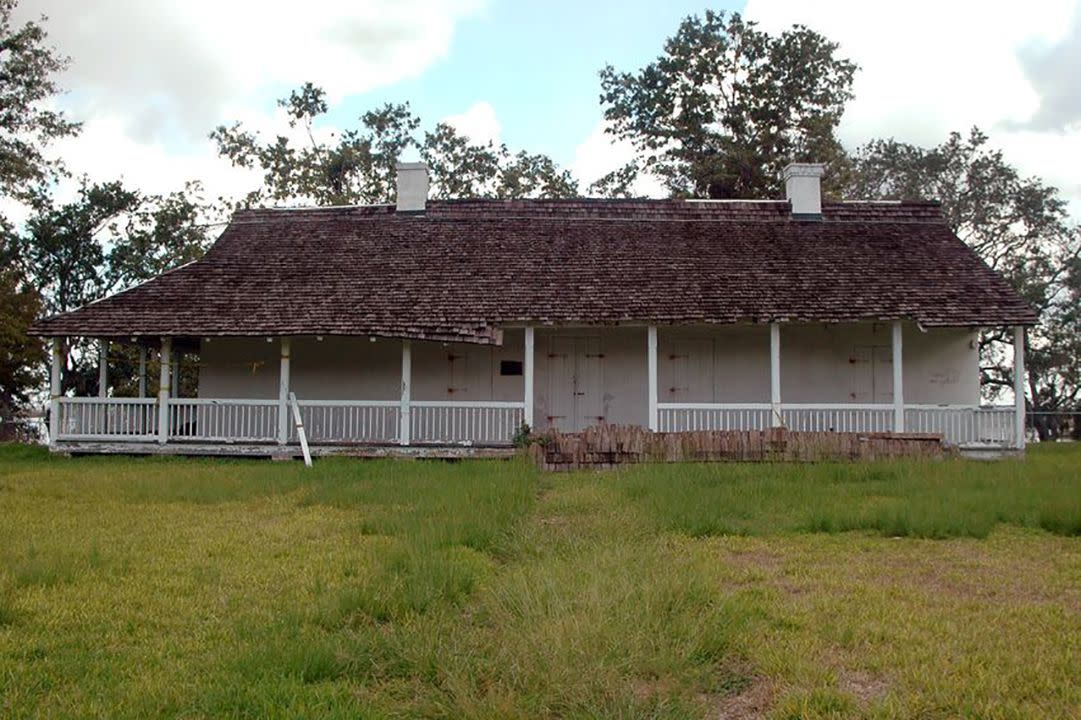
(463, 269)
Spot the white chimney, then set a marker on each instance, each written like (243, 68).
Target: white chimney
(412, 187)
(803, 188)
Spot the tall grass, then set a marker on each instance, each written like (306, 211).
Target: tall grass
(445, 524)
(621, 630)
(8, 610)
(211, 588)
(954, 498)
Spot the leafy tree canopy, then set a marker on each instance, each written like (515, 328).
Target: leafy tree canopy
(106, 239)
(27, 126)
(726, 107)
(21, 368)
(359, 166)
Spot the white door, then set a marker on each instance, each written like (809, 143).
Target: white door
(872, 378)
(575, 383)
(688, 371)
(561, 383)
(883, 373)
(588, 382)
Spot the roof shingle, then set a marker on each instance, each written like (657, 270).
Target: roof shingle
(464, 268)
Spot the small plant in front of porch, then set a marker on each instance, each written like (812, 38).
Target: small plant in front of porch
(523, 437)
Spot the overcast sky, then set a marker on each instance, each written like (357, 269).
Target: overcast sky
(150, 78)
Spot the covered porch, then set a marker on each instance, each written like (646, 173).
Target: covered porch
(383, 393)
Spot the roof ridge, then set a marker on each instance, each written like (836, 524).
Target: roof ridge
(694, 202)
(744, 220)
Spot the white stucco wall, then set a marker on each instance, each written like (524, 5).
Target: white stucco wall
(854, 363)
(585, 375)
(713, 364)
(820, 363)
(347, 368)
(238, 368)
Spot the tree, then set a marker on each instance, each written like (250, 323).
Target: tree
(1018, 225)
(359, 166)
(20, 355)
(27, 127)
(108, 238)
(727, 106)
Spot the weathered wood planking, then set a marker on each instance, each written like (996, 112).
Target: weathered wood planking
(607, 446)
(273, 450)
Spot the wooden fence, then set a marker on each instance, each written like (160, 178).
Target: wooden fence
(607, 446)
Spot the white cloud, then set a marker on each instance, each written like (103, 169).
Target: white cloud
(600, 154)
(1052, 69)
(929, 67)
(105, 151)
(169, 69)
(1050, 155)
(149, 79)
(479, 123)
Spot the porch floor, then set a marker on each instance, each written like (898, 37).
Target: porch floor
(283, 452)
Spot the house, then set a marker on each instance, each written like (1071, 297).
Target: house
(455, 322)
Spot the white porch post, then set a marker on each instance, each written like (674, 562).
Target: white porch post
(407, 372)
(103, 368)
(1019, 385)
(283, 392)
(54, 390)
(898, 380)
(142, 371)
(163, 389)
(651, 350)
(527, 372)
(775, 374)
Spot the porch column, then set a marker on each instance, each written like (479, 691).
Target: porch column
(527, 372)
(1019, 385)
(775, 374)
(103, 368)
(283, 393)
(163, 389)
(407, 373)
(898, 380)
(54, 390)
(651, 355)
(142, 371)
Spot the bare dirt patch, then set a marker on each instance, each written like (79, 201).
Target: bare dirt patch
(865, 687)
(755, 558)
(752, 702)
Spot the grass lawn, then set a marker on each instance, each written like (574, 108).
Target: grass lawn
(208, 588)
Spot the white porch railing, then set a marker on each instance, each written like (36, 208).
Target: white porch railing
(961, 425)
(231, 420)
(487, 423)
(474, 423)
(838, 418)
(131, 419)
(958, 424)
(684, 417)
(349, 421)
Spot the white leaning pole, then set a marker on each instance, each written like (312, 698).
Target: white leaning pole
(163, 389)
(1019, 385)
